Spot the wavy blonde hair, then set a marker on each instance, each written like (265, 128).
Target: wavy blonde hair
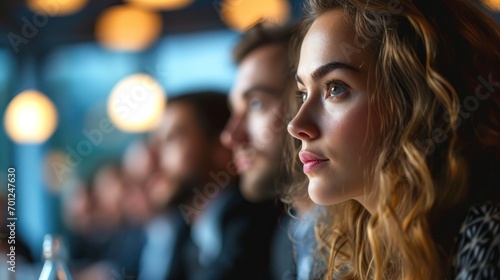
(440, 123)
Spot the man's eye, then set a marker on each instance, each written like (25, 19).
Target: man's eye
(301, 96)
(255, 104)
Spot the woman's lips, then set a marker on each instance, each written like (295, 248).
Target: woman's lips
(310, 161)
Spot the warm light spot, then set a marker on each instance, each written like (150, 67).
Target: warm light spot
(136, 103)
(242, 14)
(161, 4)
(30, 117)
(493, 5)
(56, 7)
(128, 28)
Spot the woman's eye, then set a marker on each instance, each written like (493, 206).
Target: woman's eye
(336, 89)
(255, 104)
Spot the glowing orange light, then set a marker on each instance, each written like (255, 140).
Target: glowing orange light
(56, 7)
(30, 117)
(128, 28)
(241, 14)
(161, 4)
(136, 103)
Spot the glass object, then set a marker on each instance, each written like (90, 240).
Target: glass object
(55, 256)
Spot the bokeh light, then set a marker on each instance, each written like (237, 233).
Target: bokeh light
(161, 4)
(493, 5)
(30, 117)
(128, 28)
(56, 7)
(242, 14)
(136, 103)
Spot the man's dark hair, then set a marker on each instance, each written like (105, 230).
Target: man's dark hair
(210, 107)
(260, 35)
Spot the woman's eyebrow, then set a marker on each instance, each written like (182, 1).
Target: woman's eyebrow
(321, 71)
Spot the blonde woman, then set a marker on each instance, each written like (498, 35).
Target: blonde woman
(400, 133)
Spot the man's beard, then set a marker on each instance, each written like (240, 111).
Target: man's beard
(184, 192)
(263, 182)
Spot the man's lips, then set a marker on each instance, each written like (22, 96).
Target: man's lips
(243, 163)
(310, 160)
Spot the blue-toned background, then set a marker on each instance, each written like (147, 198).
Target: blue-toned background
(64, 61)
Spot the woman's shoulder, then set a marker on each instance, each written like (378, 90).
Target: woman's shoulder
(483, 214)
(478, 244)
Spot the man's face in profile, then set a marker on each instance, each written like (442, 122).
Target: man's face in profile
(182, 153)
(256, 130)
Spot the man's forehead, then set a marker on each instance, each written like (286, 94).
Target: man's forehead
(267, 57)
(248, 87)
(263, 67)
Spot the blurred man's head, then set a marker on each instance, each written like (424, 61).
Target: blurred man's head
(107, 193)
(77, 206)
(256, 130)
(137, 166)
(188, 146)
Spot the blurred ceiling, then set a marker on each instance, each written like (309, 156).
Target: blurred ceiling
(15, 16)
(46, 33)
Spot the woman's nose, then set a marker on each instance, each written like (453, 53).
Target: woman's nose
(303, 126)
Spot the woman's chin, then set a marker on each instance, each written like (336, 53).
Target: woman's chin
(319, 193)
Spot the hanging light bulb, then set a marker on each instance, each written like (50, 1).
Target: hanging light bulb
(128, 28)
(161, 4)
(56, 7)
(30, 117)
(242, 14)
(136, 103)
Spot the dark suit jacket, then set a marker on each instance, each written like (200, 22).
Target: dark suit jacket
(123, 250)
(283, 263)
(248, 231)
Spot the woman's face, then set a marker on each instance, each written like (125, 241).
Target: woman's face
(338, 133)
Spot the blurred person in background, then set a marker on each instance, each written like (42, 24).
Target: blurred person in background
(228, 237)
(77, 216)
(256, 133)
(77, 207)
(128, 243)
(112, 246)
(122, 213)
(107, 193)
(138, 167)
(129, 212)
(162, 228)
